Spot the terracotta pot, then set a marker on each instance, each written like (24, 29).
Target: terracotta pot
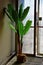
(21, 58)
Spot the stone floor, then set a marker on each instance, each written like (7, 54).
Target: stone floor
(31, 61)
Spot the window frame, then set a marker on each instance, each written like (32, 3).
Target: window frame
(39, 54)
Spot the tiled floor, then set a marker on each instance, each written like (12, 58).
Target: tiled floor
(30, 61)
(12, 61)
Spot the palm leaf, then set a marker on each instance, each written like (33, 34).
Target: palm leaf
(20, 10)
(12, 27)
(20, 27)
(25, 13)
(27, 26)
(10, 17)
(12, 13)
(10, 9)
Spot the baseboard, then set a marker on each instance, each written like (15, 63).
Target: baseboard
(8, 59)
(12, 61)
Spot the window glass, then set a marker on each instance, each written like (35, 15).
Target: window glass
(40, 45)
(28, 43)
(41, 12)
(40, 41)
(28, 39)
(31, 11)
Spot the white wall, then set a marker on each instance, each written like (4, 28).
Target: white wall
(5, 34)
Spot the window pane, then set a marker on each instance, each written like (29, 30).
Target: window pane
(41, 12)
(40, 45)
(28, 42)
(28, 39)
(40, 40)
(31, 11)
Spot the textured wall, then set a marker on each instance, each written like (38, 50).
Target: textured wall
(5, 33)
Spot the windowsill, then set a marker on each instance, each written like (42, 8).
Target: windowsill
(7, 60)
(12, 61)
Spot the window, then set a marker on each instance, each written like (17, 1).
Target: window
(33, 40)
(40, 28)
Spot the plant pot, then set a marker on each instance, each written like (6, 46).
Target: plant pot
(21, 58)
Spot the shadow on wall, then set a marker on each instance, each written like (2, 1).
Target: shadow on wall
(1, 21)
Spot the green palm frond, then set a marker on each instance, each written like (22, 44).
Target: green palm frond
(13, 13)
(27, 26)
(20, 27)
(25, 12)
(18, 17)
(20, 11)
(12, 27)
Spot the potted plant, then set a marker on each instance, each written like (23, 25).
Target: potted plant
(20, 29)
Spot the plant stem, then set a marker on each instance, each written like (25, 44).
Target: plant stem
(21, 42)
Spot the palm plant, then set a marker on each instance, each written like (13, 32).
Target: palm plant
(18, 18)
